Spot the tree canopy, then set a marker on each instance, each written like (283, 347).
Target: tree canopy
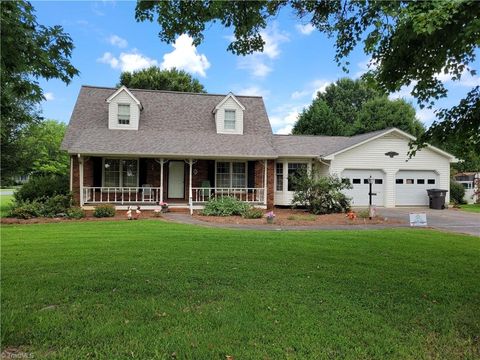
(153, 78)
(39, 151)
(350, 107)
(29, 51)
(410, 42)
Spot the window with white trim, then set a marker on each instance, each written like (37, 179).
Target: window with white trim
(231, 174)
(120, 173)
(229, 120)
(279, 176)
(295, 170)
(124, 114)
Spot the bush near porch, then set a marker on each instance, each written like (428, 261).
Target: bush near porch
(158, 290)
(230, 206)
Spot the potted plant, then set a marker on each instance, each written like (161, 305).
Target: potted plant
(270, 217)
(164, 206)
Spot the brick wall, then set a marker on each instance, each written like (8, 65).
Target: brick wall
(259, 179)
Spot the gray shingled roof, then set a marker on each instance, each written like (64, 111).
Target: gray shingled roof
(316, 146)
(171, 123)
(182, 124)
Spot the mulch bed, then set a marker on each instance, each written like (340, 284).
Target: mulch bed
(119, 216)
(298, 217)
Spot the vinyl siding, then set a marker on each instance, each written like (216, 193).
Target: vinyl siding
(123, 98)
(230, 104)
(372, 156)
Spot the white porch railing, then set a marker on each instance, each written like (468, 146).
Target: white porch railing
(250, 195)
(122, 195)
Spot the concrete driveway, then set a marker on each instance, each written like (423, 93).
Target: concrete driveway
(452, 220)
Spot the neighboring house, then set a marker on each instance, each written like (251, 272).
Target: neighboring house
(470, 181)
(141, 146)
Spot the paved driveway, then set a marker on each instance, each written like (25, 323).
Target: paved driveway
(450, 220)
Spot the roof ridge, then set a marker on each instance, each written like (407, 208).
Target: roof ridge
(171, 91)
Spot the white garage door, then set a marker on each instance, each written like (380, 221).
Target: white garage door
(411, 187)
(359, 181)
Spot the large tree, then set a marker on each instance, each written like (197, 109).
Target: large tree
(410, 42)
(29, 51)
(154, 78)
(39, 151)
(350, 107)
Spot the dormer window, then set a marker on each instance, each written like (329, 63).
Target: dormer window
(229, 121)
(124, 114)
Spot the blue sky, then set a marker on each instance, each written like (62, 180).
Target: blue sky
(297, 61)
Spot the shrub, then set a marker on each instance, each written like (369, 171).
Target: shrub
(320, 194)
(26, 210)
(56, 205)
(224, 206)
(457, 192)
(104, 211)
(75, 213)
(42, 188)
(252, 213)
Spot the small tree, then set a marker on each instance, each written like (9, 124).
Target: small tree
(320, 194)
(457, 192)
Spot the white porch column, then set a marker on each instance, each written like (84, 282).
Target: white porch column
(161, 180)
(80, 165)
(265, 164)
(190, 194)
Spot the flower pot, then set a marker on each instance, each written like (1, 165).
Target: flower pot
(270, 220)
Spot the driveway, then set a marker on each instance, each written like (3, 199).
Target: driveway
(452, 220)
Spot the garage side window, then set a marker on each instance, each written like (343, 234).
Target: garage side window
(409, 181)
(356, 181)
(399, 181)
(420, 181)
(431, 181)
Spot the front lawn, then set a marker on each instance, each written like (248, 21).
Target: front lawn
(471, 207)
(5, 204)
(155, 290)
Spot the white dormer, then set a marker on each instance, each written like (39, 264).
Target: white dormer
(123, 110)
(229, 116)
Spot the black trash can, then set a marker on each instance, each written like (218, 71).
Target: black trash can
(437, 198)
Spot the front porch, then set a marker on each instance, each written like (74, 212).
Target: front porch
(182, 183)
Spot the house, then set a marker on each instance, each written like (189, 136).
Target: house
(470, 181)
(132, 146)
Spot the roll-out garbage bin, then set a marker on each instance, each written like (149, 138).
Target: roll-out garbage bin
(437, 198)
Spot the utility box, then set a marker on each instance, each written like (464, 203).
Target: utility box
(437, 198)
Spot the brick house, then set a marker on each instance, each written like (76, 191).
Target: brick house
(131, 146)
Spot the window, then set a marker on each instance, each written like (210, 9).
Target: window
(229, 121)
(431, 181)
(420, 181)
(294, 170)
(120, 173)
(356, 181)
(279, 174)
(378, 181)
(365, 181)
(346, 181)
(231, 175)
(124, 114)
(409, 181)
(399, 181)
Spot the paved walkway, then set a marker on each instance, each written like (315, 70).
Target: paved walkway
(447, 220)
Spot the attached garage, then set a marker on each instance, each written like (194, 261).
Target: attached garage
(411, 187)
(359, 179)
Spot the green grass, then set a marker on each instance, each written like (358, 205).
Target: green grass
(148, 289)
(5, 204)
(471, 207)
(307, 217)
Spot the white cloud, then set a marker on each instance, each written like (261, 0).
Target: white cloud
(255, 64)
(116, 40)
(405, 92)
(185, 57)
(49, 96)
(426, 116)
(312, 89)
(286, 130)
(466, 79)
(253, 90)
(285, 117)
(364, 66)
(259, 64)
(131, 61)
(306, 29)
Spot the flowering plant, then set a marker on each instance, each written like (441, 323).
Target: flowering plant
(163, 204)
(270, 215)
